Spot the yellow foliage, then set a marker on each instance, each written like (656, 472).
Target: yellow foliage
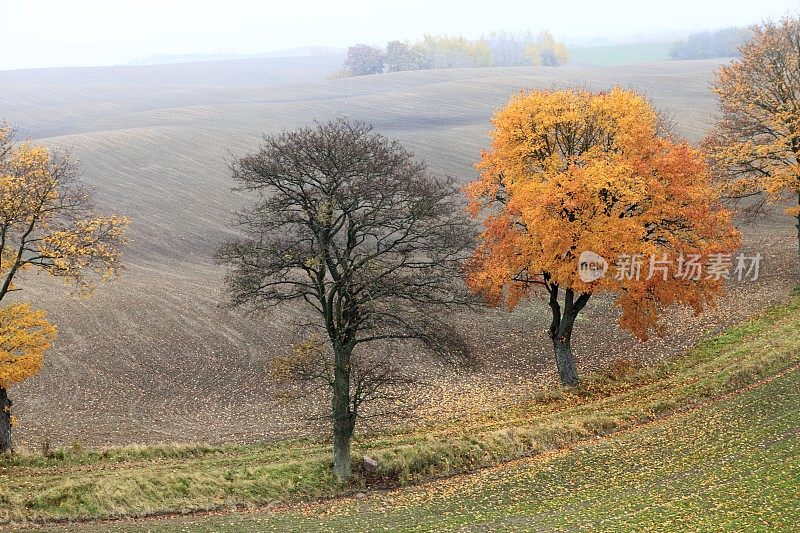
(755, 146)
(445, 51)
(46, 220)
(25, 334)
(547, 52)
(307, 361)
(90, 243)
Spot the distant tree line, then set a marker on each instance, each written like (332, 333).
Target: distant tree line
(500, 49)
(710, 44)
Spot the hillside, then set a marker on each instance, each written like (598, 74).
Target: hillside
(154, 358)
(676, 475)
(622, 451)
(620, 54)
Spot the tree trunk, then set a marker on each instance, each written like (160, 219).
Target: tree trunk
(5, 421)
(798, 242)
(561, 332)
(341, 454)
(343, 416)
(565, 361)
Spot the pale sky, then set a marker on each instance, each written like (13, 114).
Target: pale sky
(48, 33)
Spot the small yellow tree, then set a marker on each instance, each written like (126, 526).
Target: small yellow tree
(547, 52)
(25, 335)
(47, 223)
(755, 146)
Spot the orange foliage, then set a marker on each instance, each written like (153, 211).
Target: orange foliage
(573, 171)
(25, 335)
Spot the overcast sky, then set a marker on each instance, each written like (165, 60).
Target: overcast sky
(45, 33)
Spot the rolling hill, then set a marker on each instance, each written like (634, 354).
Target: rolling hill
(698, 440)
(153, 357)
(676, 475)
(621, 54)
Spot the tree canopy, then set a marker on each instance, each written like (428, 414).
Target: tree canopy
(25, 334)
(545, 51)
(363, 59)
(571, 172)
(47, 220)
(755, 145)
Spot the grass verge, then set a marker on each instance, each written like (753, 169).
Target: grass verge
(733, 465)
(140, 481)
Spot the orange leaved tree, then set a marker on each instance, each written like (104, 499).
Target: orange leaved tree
(755, 145)
(25, 335)
(574, 173)
(47, 223)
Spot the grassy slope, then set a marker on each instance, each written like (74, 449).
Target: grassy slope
(126, 482)
(733, 466)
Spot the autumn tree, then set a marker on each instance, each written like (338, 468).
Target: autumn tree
(547, 52)
(572, 172)
(755, 145)
(25, 335)
(370, 242)
(48, 224)
(363, 59)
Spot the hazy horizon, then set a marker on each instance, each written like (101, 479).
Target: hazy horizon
(52, 33)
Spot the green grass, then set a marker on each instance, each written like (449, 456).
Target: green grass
(621, 54)
(733, 466)
(128, 482)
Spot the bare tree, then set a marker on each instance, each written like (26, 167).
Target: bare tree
(509, 49)
(347, 222)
